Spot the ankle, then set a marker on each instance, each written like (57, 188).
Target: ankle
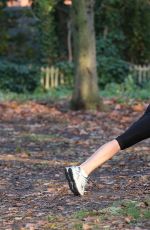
(85, 174)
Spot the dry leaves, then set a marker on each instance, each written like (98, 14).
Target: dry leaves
(39, 140)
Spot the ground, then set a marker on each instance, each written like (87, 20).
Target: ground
(38, 139)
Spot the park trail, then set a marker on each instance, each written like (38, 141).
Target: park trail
(38, 139)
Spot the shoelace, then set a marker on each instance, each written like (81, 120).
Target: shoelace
(85, 178)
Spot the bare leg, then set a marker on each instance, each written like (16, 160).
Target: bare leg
(104, 153)
(138, 131)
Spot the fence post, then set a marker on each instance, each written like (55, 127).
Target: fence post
(47, 78)
(56, 77)
(141, 73)
(42, 76)
(62, 81)
(52, 77)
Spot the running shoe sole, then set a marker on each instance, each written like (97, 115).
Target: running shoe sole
(71, 182)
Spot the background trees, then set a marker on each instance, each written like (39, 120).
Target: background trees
(47, 38)
(86, 93)
(122, 31)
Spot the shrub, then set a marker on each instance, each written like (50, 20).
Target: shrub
(110, 66)
(18, 78)
(111, 70)
(127, 89)
(67, 69)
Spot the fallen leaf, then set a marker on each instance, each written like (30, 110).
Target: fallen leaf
(86, 227)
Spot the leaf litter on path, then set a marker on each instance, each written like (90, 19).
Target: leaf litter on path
(39, 140)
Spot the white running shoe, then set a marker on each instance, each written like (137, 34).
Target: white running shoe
(76, 180)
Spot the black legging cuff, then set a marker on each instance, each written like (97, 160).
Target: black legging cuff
(138, 131)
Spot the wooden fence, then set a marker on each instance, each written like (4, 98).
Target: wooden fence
(140, 73)
(52, 77)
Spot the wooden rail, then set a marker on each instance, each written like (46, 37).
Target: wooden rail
(140, 73)
(52, 77)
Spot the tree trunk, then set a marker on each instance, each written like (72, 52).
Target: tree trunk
(69, 43)
(86, 92)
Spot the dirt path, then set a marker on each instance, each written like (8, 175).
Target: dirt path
(38, 140)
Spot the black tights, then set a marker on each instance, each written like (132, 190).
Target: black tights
(138, 131)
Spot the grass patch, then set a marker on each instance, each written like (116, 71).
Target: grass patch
(51, 218)
(121, 92)
(131, 209)
(81, 214)
(125, 213)
(78, 226)
(137, 211)
(147, 214)
(51, 95)
(126, 90)
(129, 212)
(40, 137)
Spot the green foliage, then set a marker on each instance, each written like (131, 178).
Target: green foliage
(18, 78)
(122, 92)
(81, 214)
(131, 209)
(45, 9)
(3, 34)
(147, 214)
(18, 35)
(38, 94)
(109, 64)
(135, 210)
(131, 19)
(3, 3)
(78, 226)
(130, 213)
(110, 44)
(122, 32)
(111, 70)
(67, 69)
(51, 218)
(127, 89)
(136, 26)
